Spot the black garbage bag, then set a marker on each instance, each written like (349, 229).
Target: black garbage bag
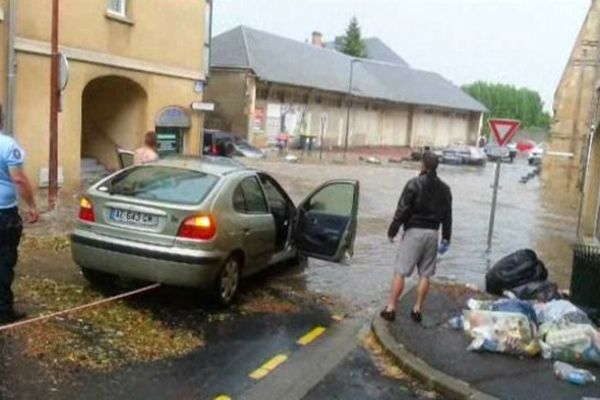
(543, 291)
(517, 269)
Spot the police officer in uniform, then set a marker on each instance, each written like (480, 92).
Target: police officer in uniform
(14, 184)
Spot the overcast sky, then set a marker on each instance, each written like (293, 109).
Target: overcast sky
(522, 42)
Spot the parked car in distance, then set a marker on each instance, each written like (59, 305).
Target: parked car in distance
(417, 153)
(188, 222)
(535, 156)
(226, 144)
(495, 152)
(245, 149)
(464, 155)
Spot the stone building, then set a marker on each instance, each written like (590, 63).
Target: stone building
(133, 67)
(567, 170)
(264, 85)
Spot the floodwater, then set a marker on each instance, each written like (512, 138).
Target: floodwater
(524, 220)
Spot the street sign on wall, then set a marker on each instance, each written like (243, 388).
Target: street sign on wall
(504, 130)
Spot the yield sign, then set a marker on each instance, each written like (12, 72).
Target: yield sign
(504, 130)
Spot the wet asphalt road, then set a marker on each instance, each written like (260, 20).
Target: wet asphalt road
(524, 219)
(235, 348)
(358, 378)
(239, 344)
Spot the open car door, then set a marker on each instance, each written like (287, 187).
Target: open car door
(327, 221)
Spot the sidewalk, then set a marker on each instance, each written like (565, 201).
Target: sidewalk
(438, 355)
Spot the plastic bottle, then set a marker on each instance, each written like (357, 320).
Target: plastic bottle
(456, 323)
(573, 375)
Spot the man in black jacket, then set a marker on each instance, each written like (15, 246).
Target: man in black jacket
(425, 205)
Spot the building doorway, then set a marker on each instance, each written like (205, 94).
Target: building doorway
(172, 124)
(113, 116)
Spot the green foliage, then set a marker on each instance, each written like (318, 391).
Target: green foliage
(508, 101)
(353, 44)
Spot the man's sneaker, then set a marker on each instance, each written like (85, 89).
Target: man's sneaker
(11, 315)
(389, 316)
(416, 316)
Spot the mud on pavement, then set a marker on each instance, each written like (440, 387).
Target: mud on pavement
(165, 325)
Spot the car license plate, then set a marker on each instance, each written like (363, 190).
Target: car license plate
(133, 217)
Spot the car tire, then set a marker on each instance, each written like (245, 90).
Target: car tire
(228, 282)
(97, 279)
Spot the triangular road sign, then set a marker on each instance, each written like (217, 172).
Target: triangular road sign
(504, 130)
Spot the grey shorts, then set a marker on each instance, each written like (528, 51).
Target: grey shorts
(418, 248)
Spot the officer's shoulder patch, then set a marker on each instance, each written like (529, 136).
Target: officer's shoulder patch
(17, 154)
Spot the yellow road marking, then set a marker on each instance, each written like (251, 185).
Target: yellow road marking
(338, 317)
(269, 366)
(311, 336)
(223, 397)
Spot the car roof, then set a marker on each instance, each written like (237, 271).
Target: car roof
(210, 165)
(221, 134)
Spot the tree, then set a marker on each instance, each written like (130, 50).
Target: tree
(508, 101)
(353, 44)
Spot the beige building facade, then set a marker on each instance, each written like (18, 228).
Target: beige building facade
(132, 68)
(571, 168)
(261, 111)
(265, 86)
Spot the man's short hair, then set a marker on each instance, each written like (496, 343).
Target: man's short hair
(430, 161)
(150, 139)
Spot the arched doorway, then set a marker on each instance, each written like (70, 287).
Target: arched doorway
(113, 115)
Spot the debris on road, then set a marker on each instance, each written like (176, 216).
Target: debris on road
(291, 159)
(557, 330)
(573, 375)
(519, 268)
(373, 160)
(99, 339)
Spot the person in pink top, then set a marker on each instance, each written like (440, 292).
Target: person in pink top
(147, 153)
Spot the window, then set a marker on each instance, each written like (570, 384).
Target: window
(277, 200)
(248, 198)
(118, 7)
(262, 94)
(239, 203)
(336, 199)
(163, 184)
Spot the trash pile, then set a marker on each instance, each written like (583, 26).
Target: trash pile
(532, 319)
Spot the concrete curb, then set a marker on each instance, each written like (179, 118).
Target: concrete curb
(446, 385)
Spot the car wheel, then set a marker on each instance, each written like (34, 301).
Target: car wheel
(228, 281)
(97, 279)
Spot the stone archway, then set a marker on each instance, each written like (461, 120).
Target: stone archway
(114, 113)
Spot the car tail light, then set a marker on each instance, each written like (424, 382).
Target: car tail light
(86, 210)
(214, 150)
(198, 227)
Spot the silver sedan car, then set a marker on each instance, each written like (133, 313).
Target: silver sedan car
(186, 222)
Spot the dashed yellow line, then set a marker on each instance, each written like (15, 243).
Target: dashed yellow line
(311, 336)
(222, 397)
(269, 366)
(338, 317)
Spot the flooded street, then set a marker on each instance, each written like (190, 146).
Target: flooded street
(524, 219)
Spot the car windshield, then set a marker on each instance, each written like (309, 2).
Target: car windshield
(164, 184)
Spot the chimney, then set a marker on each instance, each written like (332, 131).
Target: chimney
(317, 39)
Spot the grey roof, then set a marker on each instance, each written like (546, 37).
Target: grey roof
(277, 59)
(379, 51)
(376, 50)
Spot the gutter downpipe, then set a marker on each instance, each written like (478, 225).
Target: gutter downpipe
(12, 68)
